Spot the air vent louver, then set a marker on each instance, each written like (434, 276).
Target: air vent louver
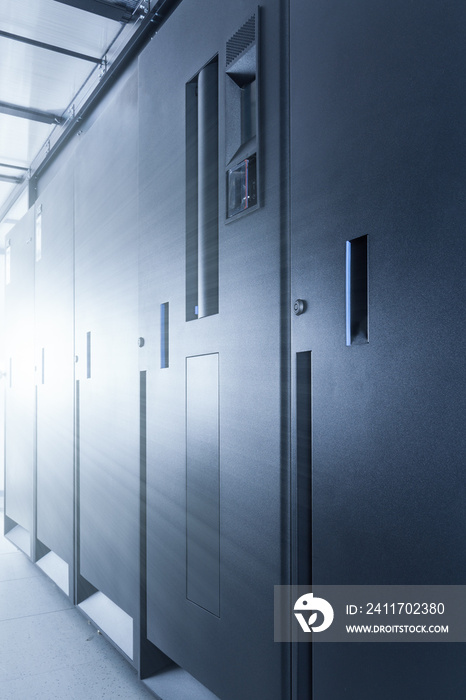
(241, 40)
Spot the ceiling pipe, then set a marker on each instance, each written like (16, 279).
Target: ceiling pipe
(36, 115)
(49, 47)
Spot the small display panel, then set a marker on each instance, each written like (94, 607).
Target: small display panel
(242, 186)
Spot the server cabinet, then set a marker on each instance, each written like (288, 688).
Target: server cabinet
(215, 482)
(20, 390)
(106, 370)
(377, 155)
(54, 352)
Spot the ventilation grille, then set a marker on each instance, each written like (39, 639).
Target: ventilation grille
(240, 41)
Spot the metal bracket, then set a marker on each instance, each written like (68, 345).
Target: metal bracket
(143, 9)
(103, 67)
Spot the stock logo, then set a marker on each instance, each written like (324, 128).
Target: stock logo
(307, 603)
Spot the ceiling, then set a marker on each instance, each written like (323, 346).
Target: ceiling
(55, 56)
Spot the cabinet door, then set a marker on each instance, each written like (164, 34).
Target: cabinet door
(216, 492)
(376, 161)
(106, 346)
(20, 389)
(54, 349)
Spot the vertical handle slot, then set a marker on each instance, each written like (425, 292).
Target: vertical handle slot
(164, 335)
(8, 263)
(303, 505)
(304, 467)
(38, 232)
(88, 355)
(207, 89)
(357, 291)
(202, 193)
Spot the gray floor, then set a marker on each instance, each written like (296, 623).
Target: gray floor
(48, 651)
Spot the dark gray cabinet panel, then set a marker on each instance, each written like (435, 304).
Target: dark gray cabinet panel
(378, 150)
(54, 341)
(19, 394)
(223, 633)
(106, 346)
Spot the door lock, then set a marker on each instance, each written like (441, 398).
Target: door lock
(299, 307)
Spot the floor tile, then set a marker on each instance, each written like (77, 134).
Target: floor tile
(93, 681)
(14, 565)
(48, 650)
(6, 546)
(30, 596)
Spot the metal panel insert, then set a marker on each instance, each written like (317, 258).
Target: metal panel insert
(203, 482)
